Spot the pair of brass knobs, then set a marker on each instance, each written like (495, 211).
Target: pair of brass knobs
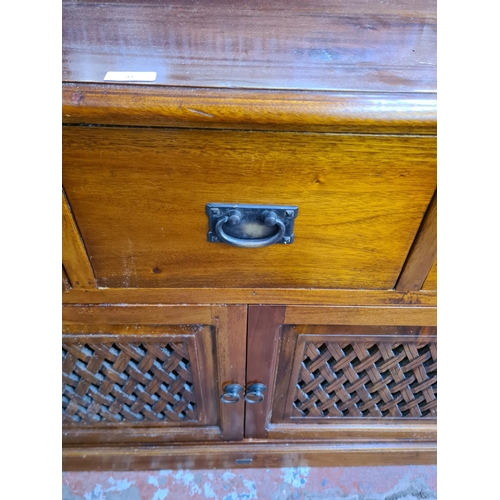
(253, 395)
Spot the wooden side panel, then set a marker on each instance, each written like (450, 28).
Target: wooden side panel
(66, 285)
(423, 253)
(430, 282)
(75, 259)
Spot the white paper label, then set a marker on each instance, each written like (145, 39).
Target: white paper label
(130, 76)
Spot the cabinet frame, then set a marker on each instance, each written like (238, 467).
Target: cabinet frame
(270, 445)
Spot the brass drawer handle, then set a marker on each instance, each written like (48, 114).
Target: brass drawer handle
(251, 226)
(254, 393)
(231, 394)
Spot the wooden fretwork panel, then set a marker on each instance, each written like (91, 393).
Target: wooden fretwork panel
(108, 381)
(151, 374)
(381, 379)
(341, 373)
(349, 382)
(139, 383)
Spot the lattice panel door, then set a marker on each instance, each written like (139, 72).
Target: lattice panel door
(158, 376)
(360, 376)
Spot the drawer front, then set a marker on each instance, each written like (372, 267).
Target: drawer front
(139, 197)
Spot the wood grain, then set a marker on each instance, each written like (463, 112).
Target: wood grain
(75, 259)
(139, 198)
(346, 45)
(430, 282)
(346, 112)
(136, 314)
(422, 254)
(269, 454)
(398, 316)
(143, 435)
(268, 296)
(421, 432)
(231, 325)
(264, 325)
(66, 285)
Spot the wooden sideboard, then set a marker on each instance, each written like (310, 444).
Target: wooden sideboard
(302, 131)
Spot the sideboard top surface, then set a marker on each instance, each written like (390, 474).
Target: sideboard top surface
(322, 45)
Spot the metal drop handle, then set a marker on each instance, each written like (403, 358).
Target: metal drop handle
(231, 394)
(254, 393)
(234, 217)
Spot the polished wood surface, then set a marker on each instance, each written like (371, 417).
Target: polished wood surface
(423, 253)
(373, 432)
(346, 45)
(66, 285)
(398, 316)
(430, 282)
(264, 324)
(268, 296)
(231, 325)
(139, 199)
(347, 112)
(77, 267)
(350, 443)
(262, 454)
(136, 314)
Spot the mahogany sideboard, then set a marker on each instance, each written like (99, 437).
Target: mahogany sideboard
(249, 233)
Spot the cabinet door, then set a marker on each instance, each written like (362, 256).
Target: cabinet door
(151, 374)
(343, 373)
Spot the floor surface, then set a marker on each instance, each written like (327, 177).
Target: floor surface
(301, 483)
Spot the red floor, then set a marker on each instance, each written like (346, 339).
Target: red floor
(343, 483)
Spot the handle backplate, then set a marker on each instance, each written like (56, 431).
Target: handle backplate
(250, 226)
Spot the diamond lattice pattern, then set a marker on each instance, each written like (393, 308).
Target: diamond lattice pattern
(359, 379)
(127, 382)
